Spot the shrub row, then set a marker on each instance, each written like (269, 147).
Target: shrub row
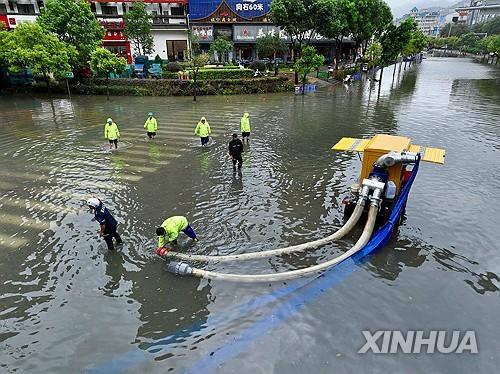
(213, 73)
(175, 87)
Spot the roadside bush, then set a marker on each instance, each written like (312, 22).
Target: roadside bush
(205, 74)
(173, 67)
(169, 75)
(257, 65)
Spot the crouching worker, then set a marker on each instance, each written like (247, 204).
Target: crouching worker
(106, 221)
(169, 231)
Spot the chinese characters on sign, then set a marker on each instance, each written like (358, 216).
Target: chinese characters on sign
(204, 33)
(249, 7)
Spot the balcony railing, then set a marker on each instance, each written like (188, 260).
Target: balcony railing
(169, 20)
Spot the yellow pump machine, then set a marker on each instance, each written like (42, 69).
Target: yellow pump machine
(386, 159)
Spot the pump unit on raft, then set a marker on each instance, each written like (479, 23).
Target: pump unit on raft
(387, 166)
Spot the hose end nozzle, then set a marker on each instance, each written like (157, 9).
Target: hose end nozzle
(179, 268)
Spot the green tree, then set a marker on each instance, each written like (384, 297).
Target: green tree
(369, 19)
(104, 62)
(138, 28)
(338, 25)
(374, 54)
(457, 29)
(309, 60)
(269, 46)
(30, 46)
(197, 62)
(393, 41)
(469, 43)
(73, 22)
(222, 46)
(300, 19)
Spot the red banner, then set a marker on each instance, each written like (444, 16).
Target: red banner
(4, 20)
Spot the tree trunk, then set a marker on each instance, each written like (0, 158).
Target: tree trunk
(380, 81)
(394, 71)
(47, 80)
(400, 64)
(337, 50)
(107, 86)
(195, 84)
(296, 75)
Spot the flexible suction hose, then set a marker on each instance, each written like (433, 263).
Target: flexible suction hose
(184, 269)
(344, 230)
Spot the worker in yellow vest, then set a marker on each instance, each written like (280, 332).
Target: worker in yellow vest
(203, 131)
(245, 127)
(111, 133)
(151, 126)
(169, 231)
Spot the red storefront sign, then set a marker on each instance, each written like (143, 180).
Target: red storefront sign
(12, 21)
(4, 20)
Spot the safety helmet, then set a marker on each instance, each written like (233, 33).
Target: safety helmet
(93, 202)
(109, 120)
(150, 114)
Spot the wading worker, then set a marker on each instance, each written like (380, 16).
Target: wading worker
(170, 229)
(106, 221)
(111, 133)
(203, 131)
(151, 126)
(245, 127)
(235, 150)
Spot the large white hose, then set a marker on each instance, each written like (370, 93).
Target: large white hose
(344, 230)
(364, 238)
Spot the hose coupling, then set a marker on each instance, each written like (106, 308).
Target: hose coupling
(376, 198)
(363, 195)
(179, 268)
(393, 158)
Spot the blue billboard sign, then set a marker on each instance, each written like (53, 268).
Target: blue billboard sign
(248, 9)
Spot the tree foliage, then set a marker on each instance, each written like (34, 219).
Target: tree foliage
(370, 19)
(104, 62)
(374, 53)
(270, 45)
(138, 28)
(491, 44)
(74, 23)
(418, 41)
(196, 63)
(30, 46)
(394, 40)
(309, 60)
(222, 46)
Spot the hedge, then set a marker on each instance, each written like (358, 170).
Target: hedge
(173, 87)
(224, 73)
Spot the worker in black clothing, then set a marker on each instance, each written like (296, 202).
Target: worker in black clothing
(235, 151)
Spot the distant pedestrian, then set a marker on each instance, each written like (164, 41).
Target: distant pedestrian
(235, 150)
(107, 223)
(111, 133)
(169, 231)
(151, 126)
(245, 127)
(203, 131)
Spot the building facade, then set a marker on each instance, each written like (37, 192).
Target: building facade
(169, 24)
(243, 22)
(480, 11)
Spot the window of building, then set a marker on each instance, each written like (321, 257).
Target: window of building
(40, 5)
(3, 8)
(177, 11)
(109, 10)
(26, 8)
(176, 49)
(92, 7)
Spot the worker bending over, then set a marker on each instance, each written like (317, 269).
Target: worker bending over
(169, 231)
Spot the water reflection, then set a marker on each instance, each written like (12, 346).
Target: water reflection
(61, 295)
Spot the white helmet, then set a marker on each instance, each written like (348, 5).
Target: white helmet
(93, 202)
(109, 120)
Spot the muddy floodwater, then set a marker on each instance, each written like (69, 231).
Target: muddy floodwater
(67, 305)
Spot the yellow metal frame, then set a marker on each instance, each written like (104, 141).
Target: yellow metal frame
(382, 144)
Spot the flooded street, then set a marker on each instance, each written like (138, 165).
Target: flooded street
(69, 305)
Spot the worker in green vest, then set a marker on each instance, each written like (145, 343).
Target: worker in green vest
(111, 133)
(203, 131)
(151, 126)
(245, 127)
(169, 231)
